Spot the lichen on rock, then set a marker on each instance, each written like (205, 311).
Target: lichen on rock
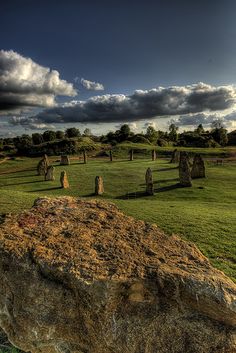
(80, 276)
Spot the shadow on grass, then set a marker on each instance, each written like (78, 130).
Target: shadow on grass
(18, 171)
(168, 188)
(27, 182)
(48, 189)
(162, 181)
(132, 195)
(165, 169)
(23, 176)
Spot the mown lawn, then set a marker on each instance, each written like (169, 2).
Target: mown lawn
(204, 213)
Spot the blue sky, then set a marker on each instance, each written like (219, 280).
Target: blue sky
(123, 46)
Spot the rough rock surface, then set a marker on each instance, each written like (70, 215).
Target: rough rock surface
(64, 180)
(149, 182)
(131, 155)
(175, 156)
(99, 188)
(43, 165)
(154, 155)
(184, 170)
(65, 160)
(80, 276)
(198, 168)
(50, 173)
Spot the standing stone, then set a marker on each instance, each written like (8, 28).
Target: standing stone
(65, 160)
(43, 165)
(184, 170)
(175, 156)
(50, 173)
(198, 169)
(99, 189)
(64, 180)
(111, 156)
(85, 157)
(131, 155)
(149, 182)
(154, 155)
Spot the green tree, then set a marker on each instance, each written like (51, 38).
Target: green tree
(124, 132)
(60, 135)
(72, 132)
(200, 130)
(173, 134)
(49, 135)
(152, 134)
(37, 138)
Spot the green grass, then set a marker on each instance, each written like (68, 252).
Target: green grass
(204, 214)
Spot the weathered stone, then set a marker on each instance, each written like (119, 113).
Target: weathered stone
(99, 189)
(64, 180)
(131, 155)
(43, 165)
(111, 156)
(87, 278)
(85, 157)
(184, 170)
(65, 160)
(149, 182)
(175, 156)
(49, 176)
(198, 168)
(154, 155)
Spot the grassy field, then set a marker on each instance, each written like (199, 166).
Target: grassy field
(204, 214)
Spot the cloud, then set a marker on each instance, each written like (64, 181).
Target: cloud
(91, 85)
(150, 124)
(30, 124)
(157, 102)
(24, 84)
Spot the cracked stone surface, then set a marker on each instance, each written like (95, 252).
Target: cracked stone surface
(80, 276)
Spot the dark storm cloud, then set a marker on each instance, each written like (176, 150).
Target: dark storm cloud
(152, 103)
(24, 84)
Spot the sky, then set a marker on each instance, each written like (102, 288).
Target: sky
(100, 64)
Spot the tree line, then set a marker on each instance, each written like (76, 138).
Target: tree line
(67, 141)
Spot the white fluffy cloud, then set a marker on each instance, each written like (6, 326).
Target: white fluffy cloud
(24, 83)
(143, 105)
(91, 85)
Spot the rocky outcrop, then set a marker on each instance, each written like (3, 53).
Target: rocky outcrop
(80, 276)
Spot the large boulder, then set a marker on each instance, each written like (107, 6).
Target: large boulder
(79, 276)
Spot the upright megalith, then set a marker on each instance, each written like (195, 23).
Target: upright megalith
(64, 180)
(43, 165)
(85, 157)
(198, 168)
(99, 188)
(87, 278)
(65, 160)
(149, 182)
(131, 155)
(184, 170)
(154, 155)
(111, 155)
(49, 176)
(175, 156)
